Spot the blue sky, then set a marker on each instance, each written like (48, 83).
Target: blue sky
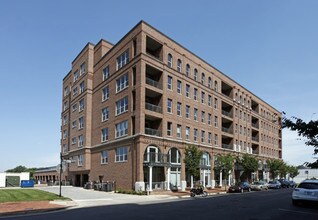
(270, 47)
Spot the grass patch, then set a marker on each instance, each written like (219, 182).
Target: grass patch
(25, 195)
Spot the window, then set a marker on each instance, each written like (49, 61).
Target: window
(81, 123)
(74, 107)
(195, 134)
(202, 136)
(105, 114)
(187, 133)
(75, 75)
(195, 74)
(209, 100)
(179, 86)
(178, 131)
(75, 90)
(202, 97)
(187, 111)
(74, 124)
(81, 105)
(82, 86)
(65, 120)
(215, 103)
(104, 134)
(179, 66)
(169, 106)
(122, 105)
(104, 157)
(80, 159)
(187, 90)
(179, 106)
(170, 60)
(121, 154)
(80, 141)
(122, 83)
(202, 117)
(188, 70)
(122, 60)
(209, 119)
(105, 73)
(122, 129)
(74, 140)
(169, 85)
(105, 94)
(195, 94)
(195, 114)
(210, 82)
(216, 139)
(66, 91)
(169, 128)
(65, 105)
(202, 78)
(216, 121)
(236, 128)
(64, 134)
(215, 85)
(209, 137)
(82, 68)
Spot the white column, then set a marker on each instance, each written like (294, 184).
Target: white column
(168, 178)
(230, 176)
(220, 178)
(203, 174)
(150, 178)
(264, 177)
(191, 184)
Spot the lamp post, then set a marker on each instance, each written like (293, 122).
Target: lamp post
(61, 170)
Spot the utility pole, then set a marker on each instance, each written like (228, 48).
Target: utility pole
(60, 179)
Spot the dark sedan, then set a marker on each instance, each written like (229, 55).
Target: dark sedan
(240, 187)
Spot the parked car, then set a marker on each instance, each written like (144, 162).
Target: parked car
(274, 184)
(240, 187)
(292, 184)
(307, 191)
(259, 185)
(284, 183)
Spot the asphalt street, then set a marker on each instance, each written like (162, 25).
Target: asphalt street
(272, 204)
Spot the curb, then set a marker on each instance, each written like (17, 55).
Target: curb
(31, 211)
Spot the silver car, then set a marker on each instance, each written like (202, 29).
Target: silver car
(307, 191)
(259, 185)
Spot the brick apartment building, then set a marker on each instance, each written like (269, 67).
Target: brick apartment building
(130, 109)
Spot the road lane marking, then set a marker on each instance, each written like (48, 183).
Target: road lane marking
(288, 210)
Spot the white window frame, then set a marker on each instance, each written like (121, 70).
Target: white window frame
(121, 154)
(104, 135)
(104, 157)
(81, 105)
(169, 108)
(122, 106)
(123, 59)
(179, 87)
(179, 109)
(106, 73)
(80, 160)
(121, 129)
(80, 140)
(105, 114)
(105, 93)
(122, 83)
(170, 83)
(81, 123)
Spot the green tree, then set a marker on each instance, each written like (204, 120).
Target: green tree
(192, 160)
(224, 164)
(249, 164)
(307, 130)
(275, 167)
(20, 169)
(293, 171)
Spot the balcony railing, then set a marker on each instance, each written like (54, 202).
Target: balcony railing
(227, 146)
(153, 158)
(153, 132)
(154, 108)
(255, 139)
(153, 83)
(228, 114)
(227, 130)
(254, 125)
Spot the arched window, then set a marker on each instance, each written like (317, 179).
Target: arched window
(174, 156)
(215, 85)
(152, 154)
(195, 74)
(179, 65)
(210, 82)
(205, 159)
(188, 70)
(170, 60)
(202, 78)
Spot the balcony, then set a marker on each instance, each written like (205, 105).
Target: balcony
(154, 108)
(153, 83)
(153, 132)
(255, 139)
(254, 125)
(227, 146)
(228, 114)
(227, 130)
(158, 159)
(227, 110)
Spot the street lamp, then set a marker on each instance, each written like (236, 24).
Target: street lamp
(61, 170)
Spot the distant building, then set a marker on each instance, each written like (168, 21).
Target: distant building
(306, 174)
(129, 110)
(13, 179)
(46, 175)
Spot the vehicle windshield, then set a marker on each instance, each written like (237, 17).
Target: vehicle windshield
(308, 185)
(271, 182)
